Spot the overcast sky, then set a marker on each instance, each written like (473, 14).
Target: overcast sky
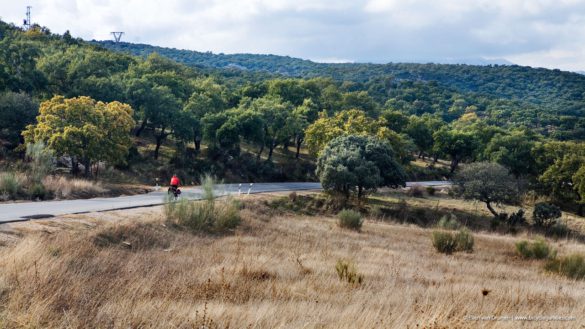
(540, 33)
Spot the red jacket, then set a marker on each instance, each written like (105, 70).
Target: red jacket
(175, 181)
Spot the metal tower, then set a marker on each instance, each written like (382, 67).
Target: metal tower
(27, 21)
(117, 36)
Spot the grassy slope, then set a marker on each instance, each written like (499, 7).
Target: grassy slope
(276, 271)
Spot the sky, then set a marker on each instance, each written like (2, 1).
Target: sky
(537, 33)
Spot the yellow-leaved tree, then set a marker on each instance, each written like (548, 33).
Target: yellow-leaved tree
(86, 130)
(357, 123)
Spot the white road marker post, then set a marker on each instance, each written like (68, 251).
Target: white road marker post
(250, 189)
(240, 189)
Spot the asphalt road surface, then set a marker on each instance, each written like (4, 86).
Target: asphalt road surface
(12, 212)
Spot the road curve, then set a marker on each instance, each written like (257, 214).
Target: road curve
(13, 212)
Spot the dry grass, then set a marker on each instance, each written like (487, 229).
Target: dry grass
(274, 272)
(65, 188)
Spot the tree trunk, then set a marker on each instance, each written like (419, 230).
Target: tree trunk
(489, 206)
(299, 142)
(454, 163)
(420, 154)
(197, 141)
(435, 158)
(260, 152)
(74, 166)
(141, 128)
(159, 140)
(273, 145)
(87, 169)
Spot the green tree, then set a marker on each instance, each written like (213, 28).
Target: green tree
(358, 164)
(486, 182)
(456, 144)
(86, 130)
(207, 98)
(421, 134)
(17, 110)
(513, 151)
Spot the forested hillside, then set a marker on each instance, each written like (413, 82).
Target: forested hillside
(548, 100)
(261, 124)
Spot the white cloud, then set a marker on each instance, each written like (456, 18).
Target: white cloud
(530, 32)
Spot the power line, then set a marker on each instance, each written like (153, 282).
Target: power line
(117, 36)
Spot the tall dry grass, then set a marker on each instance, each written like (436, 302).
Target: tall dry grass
(275, 272)
(72, 188)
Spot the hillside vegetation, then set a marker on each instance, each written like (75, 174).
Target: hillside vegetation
(61, 93)
(526, 90)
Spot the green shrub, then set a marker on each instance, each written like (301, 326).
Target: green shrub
(448, 242)
(448, 222)
(347, 271)
(431, 190)
(210, 215)
(204, 216)
(38, 191)
(545, 214)
(350, 219)
(572, 266)
(10, 185)
(464, 241)
(538, 249)
(444, 242)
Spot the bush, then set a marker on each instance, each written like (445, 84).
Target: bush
(535, 250)
(11, 185)
(444, 242)
(572, 266)
(431, 190)
(350, 219)
(464, 241)
(347, 271)
(447, 242)
(41, 160)
(38, 191)
(545, 214)
(559, 230)
(416, 191)
(448, 222)
(209, 215)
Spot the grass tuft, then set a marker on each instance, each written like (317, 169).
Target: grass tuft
(347, 271)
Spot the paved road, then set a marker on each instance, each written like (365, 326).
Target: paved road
(10, 212)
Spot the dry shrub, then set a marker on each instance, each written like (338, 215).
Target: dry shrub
(258, 274)
(63, 188)
(416, 191)
(347, 271)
